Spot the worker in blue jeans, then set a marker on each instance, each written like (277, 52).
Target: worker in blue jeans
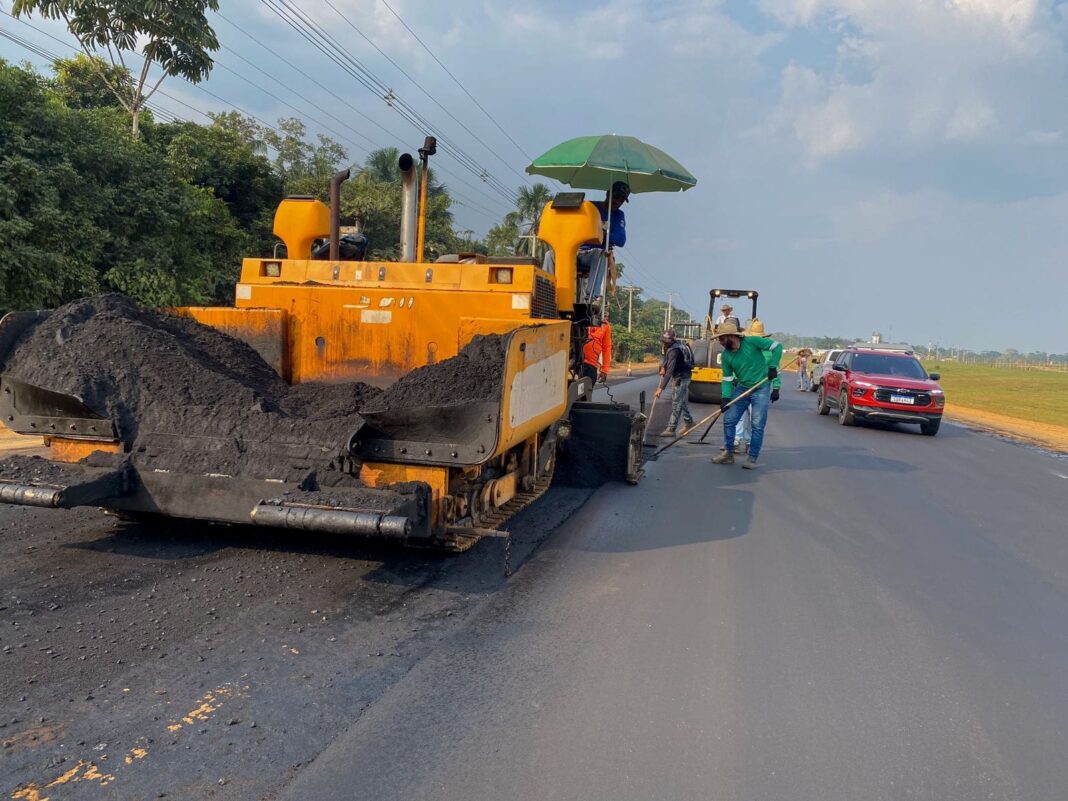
(745, 366)
(743, 433)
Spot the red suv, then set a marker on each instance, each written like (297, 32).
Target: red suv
(881, 385)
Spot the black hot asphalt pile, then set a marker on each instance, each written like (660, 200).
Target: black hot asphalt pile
(156, 373)
(187, 397)
(475, 374)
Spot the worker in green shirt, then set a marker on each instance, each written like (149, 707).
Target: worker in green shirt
(745, 365)
(743, 432)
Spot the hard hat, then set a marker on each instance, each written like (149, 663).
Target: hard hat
(668, 336)
(756, 327)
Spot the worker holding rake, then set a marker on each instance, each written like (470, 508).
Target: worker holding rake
(745, 368)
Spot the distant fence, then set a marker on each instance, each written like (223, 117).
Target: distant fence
(1007, 364)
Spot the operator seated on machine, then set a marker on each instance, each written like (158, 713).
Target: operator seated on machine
(594, 260)
(727, 315)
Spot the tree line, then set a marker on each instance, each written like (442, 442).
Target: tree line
(165, 215)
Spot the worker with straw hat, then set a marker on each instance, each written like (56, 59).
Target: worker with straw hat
(745, 367)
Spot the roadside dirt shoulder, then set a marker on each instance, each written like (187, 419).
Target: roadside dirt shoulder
(1044, 435)
(10, 443)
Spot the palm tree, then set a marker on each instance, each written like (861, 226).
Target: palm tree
(531, 201)
(501, 239)
(382, 165)
(529, 204)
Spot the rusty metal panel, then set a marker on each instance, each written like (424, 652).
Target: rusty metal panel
(62, 449)
(265, 330)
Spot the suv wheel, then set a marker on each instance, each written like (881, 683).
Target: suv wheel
(930, 428)
(845, 414)
(822, 407)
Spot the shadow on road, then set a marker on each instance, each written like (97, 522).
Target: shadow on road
(481, 570)
(809, 457)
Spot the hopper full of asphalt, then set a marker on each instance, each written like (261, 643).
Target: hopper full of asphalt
(162, 377)
(456, 400)
(475, 374)
(187, 397)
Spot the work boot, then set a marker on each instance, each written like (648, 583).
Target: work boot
(750, 463)
(668, 432)
(725, 457)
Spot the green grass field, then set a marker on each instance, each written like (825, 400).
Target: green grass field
(1034, 395)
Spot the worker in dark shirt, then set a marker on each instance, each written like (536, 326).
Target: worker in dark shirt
(594, 260)
(677, 369)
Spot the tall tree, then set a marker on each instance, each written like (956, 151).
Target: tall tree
(529, 203)
(221, 161)
(245, 128)
(502, 239)
(86, 208)
(305, 168)
(174, 35)
(86, 81)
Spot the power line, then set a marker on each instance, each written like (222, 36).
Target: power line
(433, 99)
(345, 103)
(28, 45)
(270, 94)
(456, 80)
(312, 32)
(633, 259)
(305, 75)
(168, 116)
(195, 86)
(40, 52)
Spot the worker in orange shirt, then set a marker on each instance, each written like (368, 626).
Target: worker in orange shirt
(597, 352)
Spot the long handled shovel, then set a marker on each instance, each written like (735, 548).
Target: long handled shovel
(712, 418)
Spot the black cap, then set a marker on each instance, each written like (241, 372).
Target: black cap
(621, 189)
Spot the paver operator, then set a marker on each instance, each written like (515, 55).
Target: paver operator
(744, 366)
(594, 260)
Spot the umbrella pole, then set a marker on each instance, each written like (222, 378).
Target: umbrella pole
(606, 228)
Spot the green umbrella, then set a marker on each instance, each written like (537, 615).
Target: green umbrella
(595, 162)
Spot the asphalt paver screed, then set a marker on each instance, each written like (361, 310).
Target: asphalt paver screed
(155, 373)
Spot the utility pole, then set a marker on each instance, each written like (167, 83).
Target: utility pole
(669, 311)
(630, 302)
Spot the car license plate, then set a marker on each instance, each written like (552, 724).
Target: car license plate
(902, 399)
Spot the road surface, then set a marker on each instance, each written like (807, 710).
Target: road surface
(873, 615)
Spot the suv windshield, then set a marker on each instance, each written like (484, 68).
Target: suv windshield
(881, 364)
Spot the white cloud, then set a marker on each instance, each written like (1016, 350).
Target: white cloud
(597, 33)
(932, 73)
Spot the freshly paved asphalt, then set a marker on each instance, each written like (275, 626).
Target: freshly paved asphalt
(874, 615)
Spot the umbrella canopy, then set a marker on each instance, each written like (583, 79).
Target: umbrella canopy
(595, 162)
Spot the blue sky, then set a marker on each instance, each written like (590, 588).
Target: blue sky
(890, 165)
